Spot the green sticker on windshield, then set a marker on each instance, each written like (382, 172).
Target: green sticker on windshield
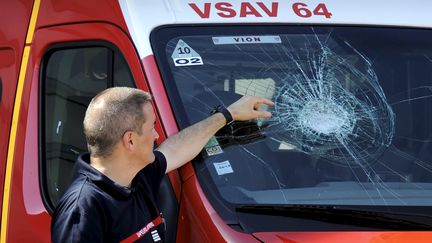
(212, 142)
(212, 147)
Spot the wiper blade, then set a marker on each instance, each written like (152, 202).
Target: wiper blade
(344, 215)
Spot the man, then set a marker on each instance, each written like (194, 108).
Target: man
(113, 195)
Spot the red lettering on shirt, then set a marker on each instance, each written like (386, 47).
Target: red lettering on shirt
(144, 230)
(135, 236)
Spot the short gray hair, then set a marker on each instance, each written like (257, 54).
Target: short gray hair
(110, 114)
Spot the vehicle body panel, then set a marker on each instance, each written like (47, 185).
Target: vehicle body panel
(12, 41)
(128, 25)
(245, 12)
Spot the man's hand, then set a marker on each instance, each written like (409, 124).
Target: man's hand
(185, 145)
(247, 108)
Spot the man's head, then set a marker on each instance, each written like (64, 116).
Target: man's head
(114, 114)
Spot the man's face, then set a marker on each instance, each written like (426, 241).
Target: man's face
(148, 135)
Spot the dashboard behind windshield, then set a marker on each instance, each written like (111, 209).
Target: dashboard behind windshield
(352, 120)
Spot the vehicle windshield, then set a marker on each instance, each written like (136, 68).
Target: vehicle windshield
(352, 120)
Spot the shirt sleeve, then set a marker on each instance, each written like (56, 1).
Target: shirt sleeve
(77, 221)
(155, 171)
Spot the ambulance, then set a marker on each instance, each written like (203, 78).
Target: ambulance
(346, 156)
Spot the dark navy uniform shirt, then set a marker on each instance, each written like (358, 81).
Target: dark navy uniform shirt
(96, 209)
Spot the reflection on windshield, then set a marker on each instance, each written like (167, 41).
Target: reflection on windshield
(350, 124)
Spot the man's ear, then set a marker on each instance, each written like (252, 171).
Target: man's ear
(128, 140)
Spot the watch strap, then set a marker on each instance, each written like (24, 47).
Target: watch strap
(227, 115)
(225, 112)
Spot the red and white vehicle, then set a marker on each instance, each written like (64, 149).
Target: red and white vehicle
(347, 156)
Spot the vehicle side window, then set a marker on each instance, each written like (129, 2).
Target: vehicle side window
(71, 78)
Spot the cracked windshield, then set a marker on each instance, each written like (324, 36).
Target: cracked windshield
(352, 120)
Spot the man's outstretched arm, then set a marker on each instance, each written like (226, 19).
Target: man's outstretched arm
(186, 144)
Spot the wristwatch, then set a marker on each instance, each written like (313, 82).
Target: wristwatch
(225, 112)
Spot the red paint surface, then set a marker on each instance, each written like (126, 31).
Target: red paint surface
(199, 222)
(67, 21)
(14, 17)
(28, 219)
(344, 237)
(163, 112)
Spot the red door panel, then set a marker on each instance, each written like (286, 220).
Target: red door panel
(29, 220)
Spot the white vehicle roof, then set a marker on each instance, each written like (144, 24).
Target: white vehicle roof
(142, 16)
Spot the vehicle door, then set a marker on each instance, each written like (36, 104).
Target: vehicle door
(68, 66)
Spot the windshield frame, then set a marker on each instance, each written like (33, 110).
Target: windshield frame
(227, 210)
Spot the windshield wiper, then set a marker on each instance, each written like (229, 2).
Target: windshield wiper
(344, 216)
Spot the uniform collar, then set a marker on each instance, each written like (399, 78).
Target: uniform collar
(101, 180)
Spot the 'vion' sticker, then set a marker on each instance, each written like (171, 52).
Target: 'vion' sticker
(184, 55)
(230, 40)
